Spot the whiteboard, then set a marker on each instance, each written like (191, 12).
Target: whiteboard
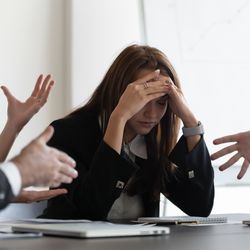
(208, 42)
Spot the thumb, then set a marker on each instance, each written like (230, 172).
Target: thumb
(46, 134)
(7, 93)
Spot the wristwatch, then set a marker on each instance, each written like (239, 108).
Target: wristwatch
(199, 130)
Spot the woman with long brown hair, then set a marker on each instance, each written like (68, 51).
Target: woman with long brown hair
(124, 141)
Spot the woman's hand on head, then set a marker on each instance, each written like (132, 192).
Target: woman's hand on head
(178, 104)
(139, 93)
(19, 113)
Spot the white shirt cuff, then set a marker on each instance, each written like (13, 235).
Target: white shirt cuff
(13, 175)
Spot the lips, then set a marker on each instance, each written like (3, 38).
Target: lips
(148, 124)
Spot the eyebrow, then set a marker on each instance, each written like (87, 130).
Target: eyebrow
(163, 98)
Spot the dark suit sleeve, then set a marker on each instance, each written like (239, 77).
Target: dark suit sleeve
(193, 189)
(5, 190)
(108, 175)
(100, 180)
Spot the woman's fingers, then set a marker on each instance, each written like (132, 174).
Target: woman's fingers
(149, 77)
(156, 87)
(154, 96)
(153, 83)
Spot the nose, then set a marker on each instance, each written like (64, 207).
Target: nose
(150, 111)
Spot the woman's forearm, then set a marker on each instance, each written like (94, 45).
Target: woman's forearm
(191, 140)
(114, 132)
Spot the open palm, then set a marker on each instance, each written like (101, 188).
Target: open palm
(28, 196)
(19, 113)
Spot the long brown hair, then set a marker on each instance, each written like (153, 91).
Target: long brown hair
(123, 71)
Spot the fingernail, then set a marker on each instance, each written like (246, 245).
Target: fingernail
(157, 71)
(74, 172)
(69, 180)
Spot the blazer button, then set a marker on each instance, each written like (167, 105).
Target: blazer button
(120, 184)
(191, 174)
(2, 196)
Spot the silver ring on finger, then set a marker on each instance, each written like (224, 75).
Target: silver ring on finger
(145, 85)
(169, 82)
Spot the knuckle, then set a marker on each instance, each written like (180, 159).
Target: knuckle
(54, 175)
(130, 86)
(136, 87)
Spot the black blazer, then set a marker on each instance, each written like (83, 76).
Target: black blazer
(5, 190)
(102, 170)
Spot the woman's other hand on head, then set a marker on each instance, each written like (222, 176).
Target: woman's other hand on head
(178, 104)
(138, 93)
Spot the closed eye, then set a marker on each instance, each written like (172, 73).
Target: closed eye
(163, 100)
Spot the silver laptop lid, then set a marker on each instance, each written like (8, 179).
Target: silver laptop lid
(91, 230)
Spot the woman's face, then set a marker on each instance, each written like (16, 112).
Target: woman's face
(149, 116)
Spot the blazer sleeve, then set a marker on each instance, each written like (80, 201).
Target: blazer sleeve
(5, 190)
(99, 183)
(104, 182)
(193, 188)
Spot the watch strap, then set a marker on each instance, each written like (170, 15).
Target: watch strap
(198, 130)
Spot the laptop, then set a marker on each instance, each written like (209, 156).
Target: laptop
(246, 222)
(91, 229)
(212, 219)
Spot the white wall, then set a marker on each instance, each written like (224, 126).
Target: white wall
(75, 41)
(32, 42)
(100, 30)
(208, 43)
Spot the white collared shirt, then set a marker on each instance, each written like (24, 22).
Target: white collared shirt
(13, 175)
(137, 147)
